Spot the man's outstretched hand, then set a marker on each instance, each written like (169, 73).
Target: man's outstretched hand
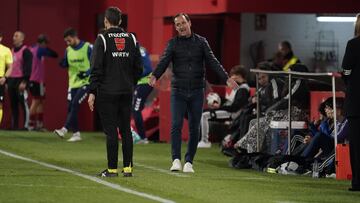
(152, 81)
(232, 84)
(91, 101)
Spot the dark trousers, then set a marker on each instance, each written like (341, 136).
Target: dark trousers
(17, 98)
(183, 102)
(115, 112)
(354, 141)
(240, 125)
(75, 97)
(141, 93)
(320, 140)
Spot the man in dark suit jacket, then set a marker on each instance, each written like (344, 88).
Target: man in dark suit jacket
(351, 75)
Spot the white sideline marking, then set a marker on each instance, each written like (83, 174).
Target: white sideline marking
(97, 180)
(252, 178)
(162, 170)
(52, 186)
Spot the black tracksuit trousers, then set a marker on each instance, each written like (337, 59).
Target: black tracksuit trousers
(115, 112)
(354, 140)
(16, 98)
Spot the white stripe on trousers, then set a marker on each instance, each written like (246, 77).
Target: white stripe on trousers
(220, 114)
(26, 110)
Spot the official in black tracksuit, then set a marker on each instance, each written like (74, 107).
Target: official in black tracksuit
(351, 75)
(116, 65)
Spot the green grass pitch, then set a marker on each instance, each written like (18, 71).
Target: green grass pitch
(22, 181)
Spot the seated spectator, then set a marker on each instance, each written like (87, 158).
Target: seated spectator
(237, 100)
(315, 124)
(323, 138)
(300, 139)
(269, 93)
(278, 112)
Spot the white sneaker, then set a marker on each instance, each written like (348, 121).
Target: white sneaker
(176, 165)
(143, 141)
(203, 144)
(188, 168)
(76, 137)
(333, 175)
(60, 132)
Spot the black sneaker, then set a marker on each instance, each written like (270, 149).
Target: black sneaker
(106, 173)
(354, 189)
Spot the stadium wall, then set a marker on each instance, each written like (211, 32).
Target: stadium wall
(148, 18)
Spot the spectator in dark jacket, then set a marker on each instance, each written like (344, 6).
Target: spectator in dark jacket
(187, 52)
(278, 112)
(269, 92)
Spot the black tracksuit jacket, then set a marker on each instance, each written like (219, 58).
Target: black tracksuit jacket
(116, 63)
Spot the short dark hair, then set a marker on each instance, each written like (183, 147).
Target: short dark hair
(1, 34)
(42, 39)
(182, 14)
(70, 32)
(239, 70)
(265, 65)
(113, 15)
(339, 101)
(286, 44)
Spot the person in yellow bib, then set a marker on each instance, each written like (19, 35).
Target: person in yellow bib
(288, 54)
(77, 61)
(6, 61)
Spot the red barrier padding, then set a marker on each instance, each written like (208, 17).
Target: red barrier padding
(343, 168)
(316, 98)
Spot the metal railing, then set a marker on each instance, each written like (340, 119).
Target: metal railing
(290, 74)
